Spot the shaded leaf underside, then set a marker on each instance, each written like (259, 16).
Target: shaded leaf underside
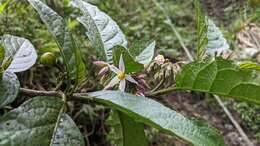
(21, 51)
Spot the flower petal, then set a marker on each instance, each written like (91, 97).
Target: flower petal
(121, 63)
(114, 69)
(112, 83)
(130, 79)
(122, 85)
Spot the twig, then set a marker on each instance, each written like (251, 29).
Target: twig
(74, 97)
(32, 93)
(217, 98)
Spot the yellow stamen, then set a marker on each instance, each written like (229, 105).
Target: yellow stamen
(121, 75)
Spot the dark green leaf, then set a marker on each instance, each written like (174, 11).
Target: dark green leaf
(115, 135)
(2, 54)
(150, 112)
(133, 132)
(102, 31)
(9, 88)
(130, 64)
(221, 77)
(68, 48)
(39, 122)
(20, 51)
(124, 130)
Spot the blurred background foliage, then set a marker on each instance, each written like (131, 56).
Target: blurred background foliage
(139, 20)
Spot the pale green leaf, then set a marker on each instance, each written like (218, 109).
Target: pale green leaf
(102, 31)
(150, 112)
(143, 51)
(217, 44)
(68, 48)
(9, 88)
(21, 51)
(39, 122)
(221, 77)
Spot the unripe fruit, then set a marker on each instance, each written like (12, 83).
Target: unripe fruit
(48, 58)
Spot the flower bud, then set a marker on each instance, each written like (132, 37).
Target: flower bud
(48, 58)
(100, 63)
(103, 71)
(159, 59)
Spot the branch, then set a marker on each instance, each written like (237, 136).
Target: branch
(74, 97)
(32, 93)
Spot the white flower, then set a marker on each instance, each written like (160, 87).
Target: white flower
(121, 76)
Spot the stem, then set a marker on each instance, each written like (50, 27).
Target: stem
(75, 97)
(163, 91)
(32, 93)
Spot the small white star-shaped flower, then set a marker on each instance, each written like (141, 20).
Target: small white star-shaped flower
(121, 76)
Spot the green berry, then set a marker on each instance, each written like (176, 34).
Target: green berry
(48, 58)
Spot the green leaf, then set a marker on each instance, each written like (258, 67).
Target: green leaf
(249, 66)
(3, 6)
(217, 44)
(124, 130)
(130, 64)
(69, 50)
(143, 51)
(201, 27)
(102, 31)
(221, 77)
(2, 54)
(21, 51)
(152, 113)
(9, 88)
(133, 132)
(39, 122)
(115, 135)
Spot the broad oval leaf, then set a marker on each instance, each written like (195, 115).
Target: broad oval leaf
(39, 121)
(102, 31)
(131, 65)
(217, 44)
(155, 114)
(69, 50)
(221, 77)
(21, 51)
(9, 88)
